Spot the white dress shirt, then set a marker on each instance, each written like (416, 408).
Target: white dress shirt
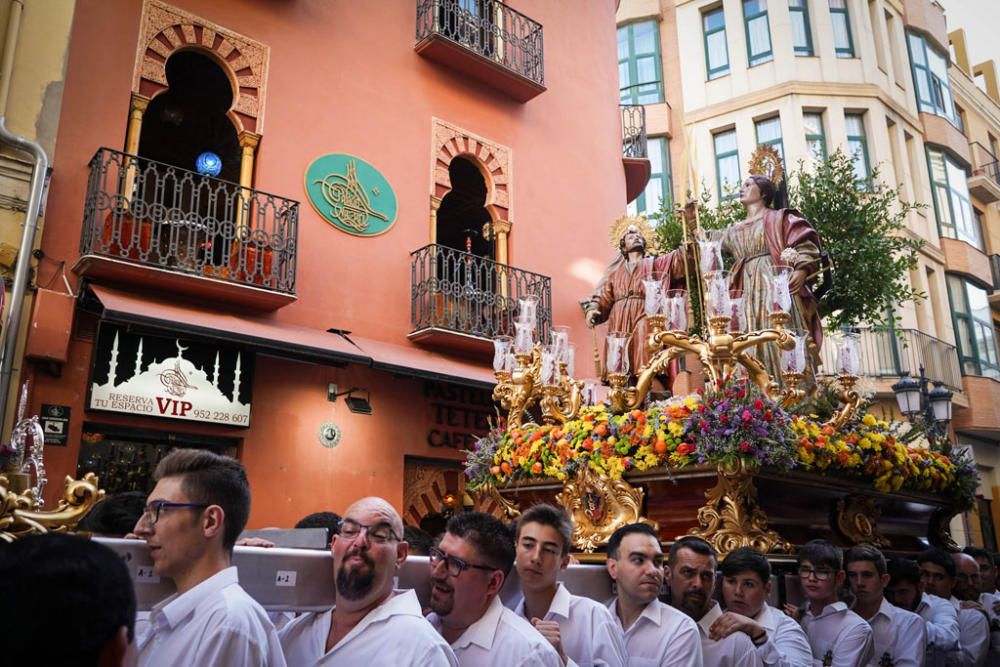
(394, 633)
(589, 635)
(840, 631)
(736, 650)
(899, 633)
(988, 600)
(660, 636)
(214, 623)
(501, 638)
(941, 620)
(787, 644)
(974, 637)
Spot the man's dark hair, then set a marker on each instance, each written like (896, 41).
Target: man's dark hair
(491, 539)
(868, 553)
(938, 557)
(821, 552)
(548, 515)
(64, 597)
(115, 516)
(328, 520)
(977, 552)
(692, 543)
(746, 559)
(904, 570)
(212, 479)
(615, 543)
(621, 243)
(420, 541)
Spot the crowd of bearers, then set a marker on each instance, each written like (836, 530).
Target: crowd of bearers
(859, 610)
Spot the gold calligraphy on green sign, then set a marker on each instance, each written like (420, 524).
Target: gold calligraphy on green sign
(349, 203)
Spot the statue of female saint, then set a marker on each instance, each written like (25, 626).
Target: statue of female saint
(772, 236)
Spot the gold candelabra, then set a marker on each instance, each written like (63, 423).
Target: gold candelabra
(520, 389)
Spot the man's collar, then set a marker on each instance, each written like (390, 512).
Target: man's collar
(765, 618)
(399, 603)
(558, 607)
(177, 607)
(483, 632)
(832, 608)
(651, 612)
(706, 621)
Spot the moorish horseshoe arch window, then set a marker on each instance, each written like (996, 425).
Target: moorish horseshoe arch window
(166, 30)
(494, 162)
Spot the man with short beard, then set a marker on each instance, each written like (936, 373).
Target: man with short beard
(691, 574)
(655, 634)
(468, 569)
(370, 624)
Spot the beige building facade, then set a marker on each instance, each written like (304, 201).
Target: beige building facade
(881, 80)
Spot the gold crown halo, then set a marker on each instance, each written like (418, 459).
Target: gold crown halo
(766, 162)
(639, 221)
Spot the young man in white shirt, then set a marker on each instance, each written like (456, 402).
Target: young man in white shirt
(838, 637)
(581, 630)
(371, 624)
(691, 575)
(939, 574)
(988, 598)
(906, 591)
(655, 633)
(746, 585)
(468, 569)
(192, 519)
(900, 636)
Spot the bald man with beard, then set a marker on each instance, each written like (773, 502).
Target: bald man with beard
(371, 624)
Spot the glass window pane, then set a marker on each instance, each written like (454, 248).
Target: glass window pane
(623, 43)
(838, 4)
(717, 54)
(729, 172)
(644, 36)
(769, 130)
(800, 34)
(760, 38)
(813, 122)
(645, 70)
(714, 20)
(855, 125)
(725, 142)
(917, 50)
(841, 36)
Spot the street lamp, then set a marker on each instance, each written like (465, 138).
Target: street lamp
(932, 408)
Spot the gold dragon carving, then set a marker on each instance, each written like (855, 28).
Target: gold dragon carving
(600, 505)
(731, 518)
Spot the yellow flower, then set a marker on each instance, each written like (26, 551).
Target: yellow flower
(868, 420)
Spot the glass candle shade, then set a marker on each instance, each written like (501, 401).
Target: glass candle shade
(547, 370)
(781, 295)
(710, 256)
(589, 393)
(616, 354)
(524, 337)
(571, 359)
(654, 296)
(794, 360)
(503, 346)
(560, 342)
(737, 315)
(527, 309)
(717, 294)
(675, 308)
(848, 353)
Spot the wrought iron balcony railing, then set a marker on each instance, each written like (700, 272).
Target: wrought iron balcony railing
(488, 28)
(464, 293)
(984, 160)
(891, 354)
(158, 215)
(634, 131)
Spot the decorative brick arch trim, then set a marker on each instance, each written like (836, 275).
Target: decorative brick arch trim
(451, 141)
(165, 30)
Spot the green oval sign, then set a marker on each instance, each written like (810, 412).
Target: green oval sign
(351, 195)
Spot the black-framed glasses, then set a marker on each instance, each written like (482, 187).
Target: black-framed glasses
(153, 509)
(379, 533)
(454, 566)
(820, 575)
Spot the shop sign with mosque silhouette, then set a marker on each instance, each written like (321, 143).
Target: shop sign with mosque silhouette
(170, 377)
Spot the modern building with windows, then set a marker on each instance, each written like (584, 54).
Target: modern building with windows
(881, 80)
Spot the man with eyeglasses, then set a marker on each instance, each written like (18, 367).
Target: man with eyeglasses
(906, 591)
(370, 624)
(838, 637)
(746, 585)
(900, 636)
(581, 630)
(691, 575)
(192, 518)
(655, 633)
(468, 569)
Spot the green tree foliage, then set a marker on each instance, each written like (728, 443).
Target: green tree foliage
(860, 225)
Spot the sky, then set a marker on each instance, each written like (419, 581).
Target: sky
(980, 19)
